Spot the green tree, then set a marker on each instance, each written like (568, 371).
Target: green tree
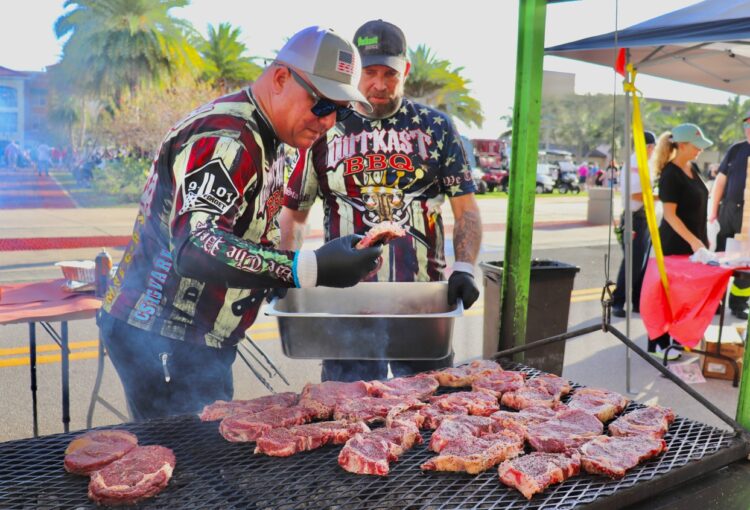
(116, 45)
(432, 81)
(226, 65)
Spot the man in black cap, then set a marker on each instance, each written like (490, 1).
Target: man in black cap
(727, 205)
(397, 163)
(641, 237)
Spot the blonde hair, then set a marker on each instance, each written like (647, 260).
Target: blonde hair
(664, 152)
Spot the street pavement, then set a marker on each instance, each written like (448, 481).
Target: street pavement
(67, 232)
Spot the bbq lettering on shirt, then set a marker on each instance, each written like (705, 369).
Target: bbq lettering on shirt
(378, 149)
(150, 301)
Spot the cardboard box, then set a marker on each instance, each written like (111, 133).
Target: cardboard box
(718, 368)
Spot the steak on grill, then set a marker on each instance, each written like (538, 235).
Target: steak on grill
(418, 386)
(613, 456)
(651, 421)
(529, 415)
(544, 390)
(372, 409)
(603, 404)
(532, 473)
(141, 473)
(476, 454)
(456, 428)
(476, 403)
(566, 431)
(383, 232)
(323, 397)
(433, 415)
(483, 367)
(247, 427)
(283, 442)
(96, 449)
(221, 408)
(454, 377)
(497, 383)
(372, 453)
(399, 417)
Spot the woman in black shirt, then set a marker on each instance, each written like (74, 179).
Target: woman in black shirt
(683, 194)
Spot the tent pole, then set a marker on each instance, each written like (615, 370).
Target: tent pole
(628, 234)
(522, 182)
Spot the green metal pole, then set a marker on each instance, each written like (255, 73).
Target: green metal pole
(743, 404)
(521, 193)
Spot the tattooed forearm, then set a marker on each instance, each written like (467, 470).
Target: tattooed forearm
(467, 236)
(298, 236)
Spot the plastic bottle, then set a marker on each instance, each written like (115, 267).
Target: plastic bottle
(103, 266)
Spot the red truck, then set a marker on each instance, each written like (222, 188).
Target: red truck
(490, 156)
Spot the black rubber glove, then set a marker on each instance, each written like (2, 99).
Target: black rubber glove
(461, 285)
(276, 292)
(340, 264)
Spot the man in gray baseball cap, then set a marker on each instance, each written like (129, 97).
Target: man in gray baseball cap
(204, 252)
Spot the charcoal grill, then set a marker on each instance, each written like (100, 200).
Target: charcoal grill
(212, 473)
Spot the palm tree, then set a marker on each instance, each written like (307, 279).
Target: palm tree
(224, 60)
(115, 45)
(432, 81)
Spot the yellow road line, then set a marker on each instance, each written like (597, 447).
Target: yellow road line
(263, 331)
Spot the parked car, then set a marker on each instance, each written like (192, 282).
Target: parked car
(496, 178)
(478, 176)
(568, 181)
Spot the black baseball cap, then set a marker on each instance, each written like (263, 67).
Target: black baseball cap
(381, 43)
(650, 137)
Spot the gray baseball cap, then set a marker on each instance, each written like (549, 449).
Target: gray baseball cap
(328, 60)
(691, 133)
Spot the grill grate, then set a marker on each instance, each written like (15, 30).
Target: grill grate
(213, 473)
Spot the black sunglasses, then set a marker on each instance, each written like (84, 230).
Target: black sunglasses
(323, 107)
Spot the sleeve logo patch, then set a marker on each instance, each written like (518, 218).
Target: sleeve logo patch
(209, 189)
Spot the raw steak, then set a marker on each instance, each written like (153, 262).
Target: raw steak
(94, 450)
(371, 454)
(433, 415)
(552, 383)
(566, 431)
(323, 397)
(399, 417)
(482, 367)
(476, 454)
(529, 415)
(529, 396)
(221, 408)
(247, 427)
(532, 473)
(454, 377)
(613, 456)
(476, 403)
(383, 232)
(372, 409)
(418, 386)
(497, 383)
(141, 473)
(456, 428)
(651, 421)
(603, 404)
(284, 442)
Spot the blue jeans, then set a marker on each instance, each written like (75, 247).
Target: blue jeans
(199, 375)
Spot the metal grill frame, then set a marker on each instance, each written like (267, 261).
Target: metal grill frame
(212, 473)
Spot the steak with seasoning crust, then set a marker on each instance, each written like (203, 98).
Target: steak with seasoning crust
(650, 421)
(372, 409)
(248, 427)
(383, 232)
(96, 449)
(419, 386)
(543, 390)
(474, 454)
(372, 453)
(221, 408)
(613, 456)
(566, 431)
(283, 442)
(323, 397)
(497, 383)
(141, 473)
(531, 474)
(476, 403)
(603, 404)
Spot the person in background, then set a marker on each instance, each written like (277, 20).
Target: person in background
(204, 253)
(582, 173)
(12, 153)
(641, 237)
(43, 159)
(684, 197)
(397, 163)
(727, 207)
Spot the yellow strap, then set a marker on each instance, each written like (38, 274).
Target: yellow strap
(648, 195)
(739, 292)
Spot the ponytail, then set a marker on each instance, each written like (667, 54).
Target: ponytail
(663, 153)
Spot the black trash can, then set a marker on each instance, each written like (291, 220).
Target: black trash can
(547, 315)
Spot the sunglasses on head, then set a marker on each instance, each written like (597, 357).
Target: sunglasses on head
(323, 107)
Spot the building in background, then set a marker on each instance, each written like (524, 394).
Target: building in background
(23, 107)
